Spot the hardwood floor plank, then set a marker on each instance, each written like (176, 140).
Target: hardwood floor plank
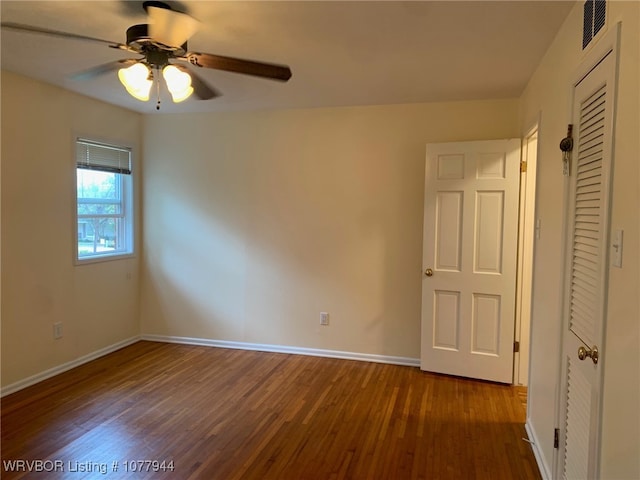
(232, 414)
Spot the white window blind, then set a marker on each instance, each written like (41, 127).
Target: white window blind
(106, 158)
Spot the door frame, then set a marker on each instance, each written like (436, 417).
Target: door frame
(527, 234)
(608, 44)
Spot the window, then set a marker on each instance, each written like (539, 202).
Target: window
(104, 200)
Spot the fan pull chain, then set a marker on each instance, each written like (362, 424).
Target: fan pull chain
(158, 88)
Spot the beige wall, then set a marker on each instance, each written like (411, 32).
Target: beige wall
(548, 93)
(40, 283)
(256, 222)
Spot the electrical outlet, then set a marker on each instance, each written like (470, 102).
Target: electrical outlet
(324, 318)
(57, 330)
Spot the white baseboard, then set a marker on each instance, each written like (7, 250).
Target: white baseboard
(542, 465)
(39, 377)
(365, 357)
(315, 352)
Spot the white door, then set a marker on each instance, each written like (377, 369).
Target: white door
(469, 257)
(586, 271)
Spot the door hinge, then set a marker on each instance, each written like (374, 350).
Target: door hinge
(556, 438)
(516, 346)
(523, 166)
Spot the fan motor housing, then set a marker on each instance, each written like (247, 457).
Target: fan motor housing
(138, 34)
(138, 38)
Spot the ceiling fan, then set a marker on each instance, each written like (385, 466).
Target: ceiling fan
(160, 42)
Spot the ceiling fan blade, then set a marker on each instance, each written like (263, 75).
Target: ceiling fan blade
(19, 27)
(238, 65)
(200, 88)
(169, 27)
(102, 69)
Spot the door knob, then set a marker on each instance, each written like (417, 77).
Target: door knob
(428, 272)
(592, 353)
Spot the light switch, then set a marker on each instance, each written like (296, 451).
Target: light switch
(616, 248)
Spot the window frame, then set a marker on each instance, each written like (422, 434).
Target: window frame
(127, 201)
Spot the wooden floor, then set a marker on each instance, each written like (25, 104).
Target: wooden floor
(232, 414)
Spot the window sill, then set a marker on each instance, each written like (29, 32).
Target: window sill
(103, 258)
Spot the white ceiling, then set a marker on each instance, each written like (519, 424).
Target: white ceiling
(340, 53)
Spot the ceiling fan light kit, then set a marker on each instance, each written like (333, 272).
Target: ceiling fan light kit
(161, 41)
(178, 83)
(136, 80)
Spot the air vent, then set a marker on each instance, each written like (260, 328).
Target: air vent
(594, 19)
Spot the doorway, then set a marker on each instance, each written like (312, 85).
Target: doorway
(479, 233)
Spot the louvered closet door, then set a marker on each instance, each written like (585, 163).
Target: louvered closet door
(586, 272)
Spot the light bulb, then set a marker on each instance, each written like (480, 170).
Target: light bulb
(178, 83)
(136, 80)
